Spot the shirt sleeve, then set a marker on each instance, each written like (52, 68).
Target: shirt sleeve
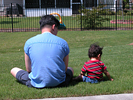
(103, 66)
(84, 68)
(26, 48)
(66, 48)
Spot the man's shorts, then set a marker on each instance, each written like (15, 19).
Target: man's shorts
(86, 79)
(22, 77)
(69, 76)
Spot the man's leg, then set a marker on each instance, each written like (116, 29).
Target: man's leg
(69, 76)
(21, 76)
(71, 69)
(14, 71)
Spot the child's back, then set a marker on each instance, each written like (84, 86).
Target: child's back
(94, 67)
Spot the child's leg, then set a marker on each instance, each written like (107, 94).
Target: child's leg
(78, 78)
(86, 79)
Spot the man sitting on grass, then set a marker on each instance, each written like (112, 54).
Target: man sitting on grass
(94, 67)
(46, 58)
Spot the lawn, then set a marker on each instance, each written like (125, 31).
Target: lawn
(117, 56)
(69, 21)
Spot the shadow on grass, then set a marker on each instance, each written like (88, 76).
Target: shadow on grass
(8, 22)
(104, 79)
(72, 83)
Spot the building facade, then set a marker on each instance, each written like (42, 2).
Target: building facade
(63, 7)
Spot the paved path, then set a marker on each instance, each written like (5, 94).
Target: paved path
(128, 96)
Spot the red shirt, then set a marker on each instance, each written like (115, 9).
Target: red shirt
(94, 69)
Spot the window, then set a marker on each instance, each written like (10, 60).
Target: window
(47, 3)
(90, 3)
(31, 3)
(76, 1)
(62, 3)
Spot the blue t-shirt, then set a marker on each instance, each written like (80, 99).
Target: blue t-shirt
(46, 52)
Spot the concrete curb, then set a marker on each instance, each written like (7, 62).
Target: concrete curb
(126, 96)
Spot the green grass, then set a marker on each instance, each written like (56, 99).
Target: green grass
(69, 21)
(117, 56)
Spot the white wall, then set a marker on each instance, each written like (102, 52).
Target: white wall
(111, 3)
(41, 12)
(0, 5)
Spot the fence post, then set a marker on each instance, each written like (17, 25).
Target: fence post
(11, 17)
(81, 16)
(46, 7)
(116, 15)
(130, 4)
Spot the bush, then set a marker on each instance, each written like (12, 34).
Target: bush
(120, 12)
(106, 12)
(92, 19)
(127, 6)
(129, 13)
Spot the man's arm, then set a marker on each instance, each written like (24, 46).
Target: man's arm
(27, 63)
(108, 75)
(66, 61)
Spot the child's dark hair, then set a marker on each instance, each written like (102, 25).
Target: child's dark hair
(48, 20)
(94, 50)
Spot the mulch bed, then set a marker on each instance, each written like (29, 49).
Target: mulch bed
(122, 21)
(131, 44)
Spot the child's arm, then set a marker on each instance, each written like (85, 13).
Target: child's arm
(82, 73)
(79, 78)
(108, 75)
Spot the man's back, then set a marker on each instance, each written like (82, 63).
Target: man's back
(46, 52)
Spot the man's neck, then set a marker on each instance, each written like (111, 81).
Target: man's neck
(46, 30)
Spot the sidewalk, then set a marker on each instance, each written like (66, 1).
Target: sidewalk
(126, 96)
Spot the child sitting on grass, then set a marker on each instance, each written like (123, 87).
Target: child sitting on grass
(94, 67)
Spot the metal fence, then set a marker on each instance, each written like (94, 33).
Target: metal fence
(18, 18)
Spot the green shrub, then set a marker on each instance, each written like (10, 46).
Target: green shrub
(92, 19)
(120, 12)
(127, 6)
(129, 13)
(106, 12)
